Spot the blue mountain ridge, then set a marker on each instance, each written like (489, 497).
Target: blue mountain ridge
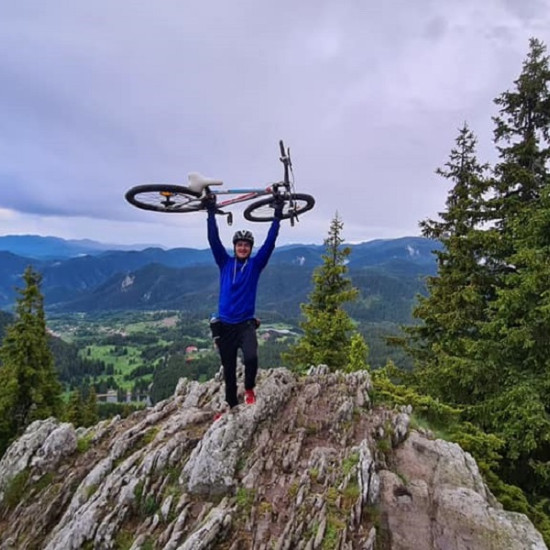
(39, 247)
(92, 280)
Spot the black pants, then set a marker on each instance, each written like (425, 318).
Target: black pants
(233, 337)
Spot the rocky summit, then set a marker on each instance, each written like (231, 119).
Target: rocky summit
(312, 465)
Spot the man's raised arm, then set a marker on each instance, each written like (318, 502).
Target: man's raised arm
(218, 250)
(263, 255)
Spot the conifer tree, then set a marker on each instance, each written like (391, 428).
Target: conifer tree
(75, 409)
(458, 295)
(522, 185)
(516, 335)
(358, 353)
(522, 132)
(327, 327)
(90, 412)
(483, 339)
(29, 388)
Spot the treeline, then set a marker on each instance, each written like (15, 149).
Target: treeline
(174, 367)
(84, 409)
(79, 375)
(71, 368)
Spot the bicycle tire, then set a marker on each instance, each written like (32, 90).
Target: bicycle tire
(171, 199)
(295, 204)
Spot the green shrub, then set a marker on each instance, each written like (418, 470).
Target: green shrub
(14, 490)
(44, 481)
(349, 463)
(83, 443)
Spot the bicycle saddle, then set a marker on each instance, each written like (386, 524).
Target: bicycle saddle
(197, 182)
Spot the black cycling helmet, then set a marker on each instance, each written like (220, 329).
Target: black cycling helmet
(243, 235)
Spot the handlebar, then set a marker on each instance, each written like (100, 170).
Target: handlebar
(285, 159)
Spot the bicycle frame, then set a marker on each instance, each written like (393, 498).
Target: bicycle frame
(245, 195)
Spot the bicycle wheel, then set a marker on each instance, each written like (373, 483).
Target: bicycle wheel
(164, 198)
(263, 210)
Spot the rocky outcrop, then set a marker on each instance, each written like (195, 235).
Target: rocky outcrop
(312, 465)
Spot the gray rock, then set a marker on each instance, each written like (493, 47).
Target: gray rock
(279, 474)
(43, 446)
(439, 500)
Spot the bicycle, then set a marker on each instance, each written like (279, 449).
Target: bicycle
(179, 199)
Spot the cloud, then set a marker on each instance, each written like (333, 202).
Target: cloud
(369, 96)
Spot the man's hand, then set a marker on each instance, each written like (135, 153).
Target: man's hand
(209, 202)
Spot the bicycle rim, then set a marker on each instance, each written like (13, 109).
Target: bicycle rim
(295, 204)
(172, 199)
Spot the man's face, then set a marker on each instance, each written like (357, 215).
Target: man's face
(242, 249)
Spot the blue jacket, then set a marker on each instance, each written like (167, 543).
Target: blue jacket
(238, 278)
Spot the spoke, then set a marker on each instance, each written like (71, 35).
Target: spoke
(167, 200)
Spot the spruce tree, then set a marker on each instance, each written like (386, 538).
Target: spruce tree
(450, 315)
(482, 342)
(358, 354)
(29, 388)
(75, 409)
(522, 132)
(90, 410)
(327, 328)
(516, 341)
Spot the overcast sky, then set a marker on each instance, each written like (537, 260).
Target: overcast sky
(97, 97)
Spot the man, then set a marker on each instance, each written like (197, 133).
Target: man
(239, 275)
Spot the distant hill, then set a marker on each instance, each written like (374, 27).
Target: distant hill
(38, 247)
(87, 272)
(153, 286)
(11, 271)
(388, 273)
(416, 249)
(409, 250)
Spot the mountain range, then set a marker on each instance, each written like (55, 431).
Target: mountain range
(84, 276)
(35, 246)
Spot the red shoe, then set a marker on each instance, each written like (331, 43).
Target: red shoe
(249, 397)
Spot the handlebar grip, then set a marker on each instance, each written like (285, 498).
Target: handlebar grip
(285, 159)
